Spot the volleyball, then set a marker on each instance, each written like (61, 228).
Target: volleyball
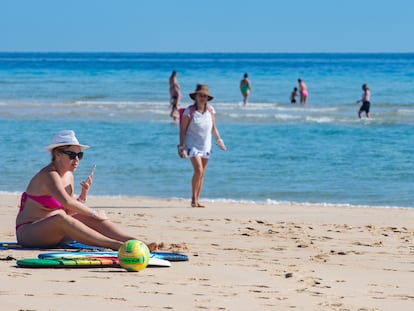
(133, 255)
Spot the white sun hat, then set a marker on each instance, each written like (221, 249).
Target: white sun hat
(65, 138)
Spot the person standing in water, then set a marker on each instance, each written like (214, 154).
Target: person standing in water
(365, 99)
(175, 95)
(303, 92)
(245, 88)
(293, 95)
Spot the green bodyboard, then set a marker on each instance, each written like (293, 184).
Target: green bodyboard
(67, 263)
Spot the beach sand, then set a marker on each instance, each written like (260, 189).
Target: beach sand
(243, 256)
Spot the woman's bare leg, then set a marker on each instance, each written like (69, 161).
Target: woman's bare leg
(199, 166)
(111, 230)
(56, 229)
(59, 227)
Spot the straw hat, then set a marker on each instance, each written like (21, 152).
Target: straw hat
(201, 89)
(65, 138)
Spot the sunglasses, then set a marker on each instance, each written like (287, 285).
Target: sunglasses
(202, 95)
(72, 155)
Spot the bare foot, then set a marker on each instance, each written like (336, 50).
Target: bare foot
(152, 246)
(194, 204)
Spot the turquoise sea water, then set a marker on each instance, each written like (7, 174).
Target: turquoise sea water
(118, 103)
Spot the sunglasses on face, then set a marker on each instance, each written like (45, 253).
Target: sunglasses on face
(72, 155)
(202, 95)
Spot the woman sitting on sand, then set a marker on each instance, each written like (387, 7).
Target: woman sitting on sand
(50, 215)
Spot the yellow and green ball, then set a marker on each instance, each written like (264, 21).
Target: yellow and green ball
(133, 255)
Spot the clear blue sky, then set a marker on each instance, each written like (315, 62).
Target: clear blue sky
(207, 26)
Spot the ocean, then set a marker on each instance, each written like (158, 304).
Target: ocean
(277, 151)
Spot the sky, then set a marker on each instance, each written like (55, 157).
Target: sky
(293, 26)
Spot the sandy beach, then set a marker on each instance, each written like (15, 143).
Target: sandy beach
(243, 256)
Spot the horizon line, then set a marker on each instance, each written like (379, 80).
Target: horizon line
(199, 52)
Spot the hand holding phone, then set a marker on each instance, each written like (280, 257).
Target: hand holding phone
(86, 185)
(92, 170)
(90, 176)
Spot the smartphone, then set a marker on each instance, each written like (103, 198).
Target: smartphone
(92, 171)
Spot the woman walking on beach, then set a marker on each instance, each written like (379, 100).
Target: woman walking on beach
(365, 99)
(197, 126)
(50, 215)
(175, 95)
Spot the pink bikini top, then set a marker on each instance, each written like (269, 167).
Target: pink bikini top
(44, 200)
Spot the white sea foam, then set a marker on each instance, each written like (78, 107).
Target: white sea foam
(320, 119)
